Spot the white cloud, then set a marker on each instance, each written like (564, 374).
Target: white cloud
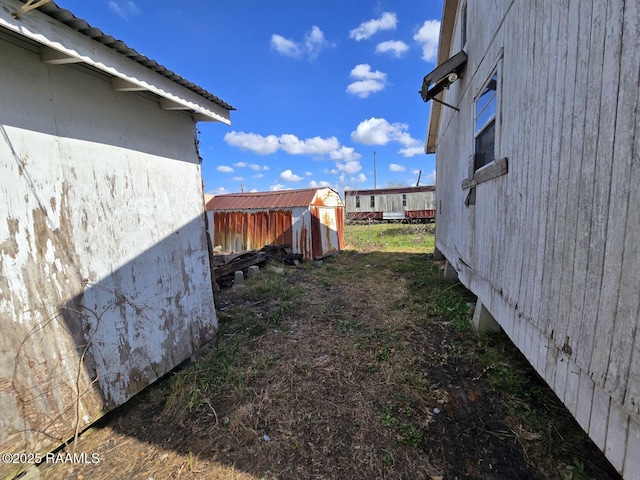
(225, 169)
(394, 47)
(378, 131)
(253, 141)
(367, 81)
(412, 151)
(349, 167)
(289, 176)
(238, 179)
(278, 186)
(218, 191)
(359, 179)
(252, 166)
(394, 167)
(259, 175)
(286, 47)
(288, 143)
(311, 146)
(345, 154)
(124, 9)
(427, 37)
(313, 43)
(308, 174)
(321, 184)
(388, 21)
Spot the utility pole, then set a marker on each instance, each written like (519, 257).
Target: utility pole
(375, 183)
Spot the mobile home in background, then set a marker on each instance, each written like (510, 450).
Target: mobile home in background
(411, 204)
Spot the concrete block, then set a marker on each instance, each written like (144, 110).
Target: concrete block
(437, 255)
(253, 271)
(238, 280)
(450, 273)
(483, 321)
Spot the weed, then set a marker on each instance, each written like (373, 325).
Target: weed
(347, 326)
(410, 435)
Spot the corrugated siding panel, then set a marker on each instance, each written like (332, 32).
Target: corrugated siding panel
(248, 230)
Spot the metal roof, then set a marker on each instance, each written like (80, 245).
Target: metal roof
(69, 19)
(279, 199)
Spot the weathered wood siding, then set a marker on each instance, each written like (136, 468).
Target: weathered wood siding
(552, 247)
(104, 274)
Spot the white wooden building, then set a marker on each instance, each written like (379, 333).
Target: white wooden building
(105, 280)
(538, 205)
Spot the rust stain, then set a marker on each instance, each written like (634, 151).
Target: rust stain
(10, 246)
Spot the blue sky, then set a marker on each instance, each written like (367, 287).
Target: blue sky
(319, 85)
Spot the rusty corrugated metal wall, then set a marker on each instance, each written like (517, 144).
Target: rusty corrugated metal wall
(238, 231)
(311, 221)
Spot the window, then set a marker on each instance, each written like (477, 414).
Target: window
(373, 201)
(485, 123)
(404, 199)
(357, 201)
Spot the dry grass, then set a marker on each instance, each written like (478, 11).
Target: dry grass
(362, 368)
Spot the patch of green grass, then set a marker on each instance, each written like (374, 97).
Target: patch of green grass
(391, 237)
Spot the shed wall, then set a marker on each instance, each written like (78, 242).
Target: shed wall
(105, 282)
(551, 248)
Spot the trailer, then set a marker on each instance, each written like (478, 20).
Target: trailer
(404, 204)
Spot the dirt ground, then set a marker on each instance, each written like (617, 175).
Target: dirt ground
(347, 370)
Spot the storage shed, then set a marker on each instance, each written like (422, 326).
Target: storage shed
(538, 200)
(310, 220)
(400, 204)
(105, 280)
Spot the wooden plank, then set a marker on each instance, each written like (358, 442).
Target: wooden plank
(499, 167)
(571, 156)
(525, 237)
(619, 204)
(631, 469)
(630, 279)
(602, 186)
(585, 399)
(571, 388)
(561, 372)
(510, 106)
(616, 441)
(554, 131)
(543, 144)
(599, 416)
(579, 330)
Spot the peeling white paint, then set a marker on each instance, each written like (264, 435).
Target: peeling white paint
(104, 268)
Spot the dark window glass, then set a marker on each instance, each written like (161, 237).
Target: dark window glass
(485, 124)
(373, 201)
(357, 201)
(485, 147)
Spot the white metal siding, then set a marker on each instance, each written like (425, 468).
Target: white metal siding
(105, 282)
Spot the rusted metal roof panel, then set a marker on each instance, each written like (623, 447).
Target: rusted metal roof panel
(278, 199)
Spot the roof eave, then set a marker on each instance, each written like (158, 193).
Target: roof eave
(449, 11)
(76, 47)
